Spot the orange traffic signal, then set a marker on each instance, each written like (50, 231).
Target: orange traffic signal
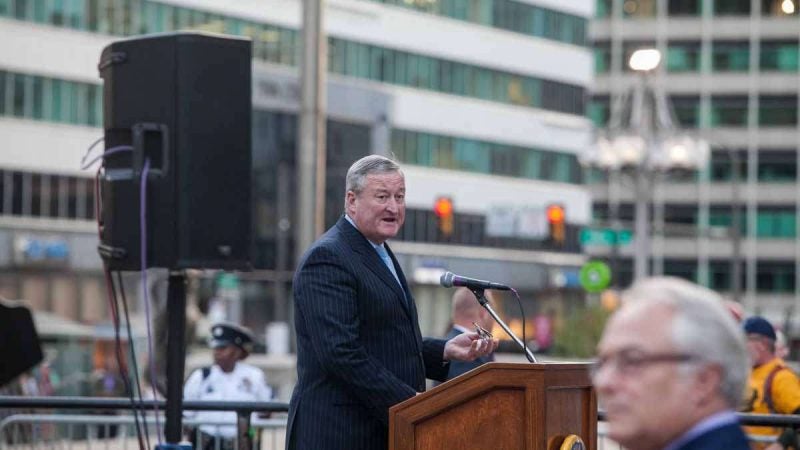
(555, 214)
(556, 218)
(443, 208)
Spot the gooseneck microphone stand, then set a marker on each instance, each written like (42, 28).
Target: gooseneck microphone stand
(479, 294)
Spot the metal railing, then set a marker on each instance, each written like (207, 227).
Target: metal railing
(81, 431)
(78, 430)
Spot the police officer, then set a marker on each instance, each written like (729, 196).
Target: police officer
(229, 379)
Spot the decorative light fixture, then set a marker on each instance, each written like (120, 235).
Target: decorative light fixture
(642, 140)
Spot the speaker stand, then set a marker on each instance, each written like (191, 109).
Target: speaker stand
(176, 354)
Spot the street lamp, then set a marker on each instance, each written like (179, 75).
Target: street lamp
(642, 142)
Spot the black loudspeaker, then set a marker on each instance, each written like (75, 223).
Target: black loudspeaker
(20, 349)
(182, 102)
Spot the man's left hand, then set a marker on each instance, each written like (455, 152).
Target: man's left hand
(468, 346)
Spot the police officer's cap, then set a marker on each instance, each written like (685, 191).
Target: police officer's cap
(224, 334)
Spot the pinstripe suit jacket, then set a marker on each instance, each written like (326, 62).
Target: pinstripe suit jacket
(359, 347)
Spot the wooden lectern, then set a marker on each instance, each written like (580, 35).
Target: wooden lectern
(505, 406)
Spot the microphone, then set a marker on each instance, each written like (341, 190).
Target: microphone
(449, 279)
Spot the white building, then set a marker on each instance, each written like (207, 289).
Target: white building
(482, 102)
(730, 69)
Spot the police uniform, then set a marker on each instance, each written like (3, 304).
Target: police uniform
(243, 383)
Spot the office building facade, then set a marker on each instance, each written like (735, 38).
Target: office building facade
(482, 102)
(730, 69)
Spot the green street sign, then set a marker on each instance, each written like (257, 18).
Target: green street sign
(595, 276)
(605, 236)
(227, 280)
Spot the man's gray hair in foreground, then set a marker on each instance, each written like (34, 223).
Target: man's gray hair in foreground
(368, 165)
(701, 327)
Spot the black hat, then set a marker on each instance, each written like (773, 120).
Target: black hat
(224, 334)
(759, 325)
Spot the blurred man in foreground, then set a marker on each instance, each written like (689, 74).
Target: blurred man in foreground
(772, 387)
(671, 368)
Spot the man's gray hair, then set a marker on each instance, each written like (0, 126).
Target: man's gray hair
(701, 327)
(368, 165)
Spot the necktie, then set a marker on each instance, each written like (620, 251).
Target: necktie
(388, 261)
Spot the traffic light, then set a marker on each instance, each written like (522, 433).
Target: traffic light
(555, 219)
(443, 208)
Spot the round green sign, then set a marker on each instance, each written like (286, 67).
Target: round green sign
(595, 276)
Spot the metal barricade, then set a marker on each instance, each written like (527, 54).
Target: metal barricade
(66, 431)
(103, 432)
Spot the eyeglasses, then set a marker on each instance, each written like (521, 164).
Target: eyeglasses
(631, 362)
(483, 333)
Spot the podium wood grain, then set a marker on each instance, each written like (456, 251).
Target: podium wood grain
(500, 406)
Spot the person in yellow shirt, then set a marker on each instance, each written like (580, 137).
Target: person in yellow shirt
(772, 387)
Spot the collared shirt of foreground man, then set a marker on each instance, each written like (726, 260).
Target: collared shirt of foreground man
(359, 346)
(672, 366)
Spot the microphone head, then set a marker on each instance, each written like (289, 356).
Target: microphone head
(446, 279)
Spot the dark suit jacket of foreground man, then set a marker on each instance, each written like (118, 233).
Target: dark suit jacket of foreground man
(360, 349)
(728, 437)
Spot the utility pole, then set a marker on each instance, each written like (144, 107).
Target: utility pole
(311, 142)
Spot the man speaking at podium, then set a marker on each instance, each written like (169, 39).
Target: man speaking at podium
(359, 346)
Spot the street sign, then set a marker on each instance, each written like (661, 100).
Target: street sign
(605, 236)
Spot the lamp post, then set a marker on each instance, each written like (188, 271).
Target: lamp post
(642, 141)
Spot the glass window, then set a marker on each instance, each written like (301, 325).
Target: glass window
(18, 95)
(683, 56)
(483, 157)
(70, 96)
(730, 56)
(732, 7)
(57, 102)
(779, 56)
(279, 45)
(37, 99)
(352, 64)
(562, 168)
(39, 11)
(76, 14)
(684, 7)
(602, 57)
(602, 8)
(639, 8)
(728, 111)
(336, 56)
(777, 110)
(5, 7)
(599, 110)
(777, 166)
(400, 68)
(687, 110)
(722, 165)
(3, 90)
(92, 15)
